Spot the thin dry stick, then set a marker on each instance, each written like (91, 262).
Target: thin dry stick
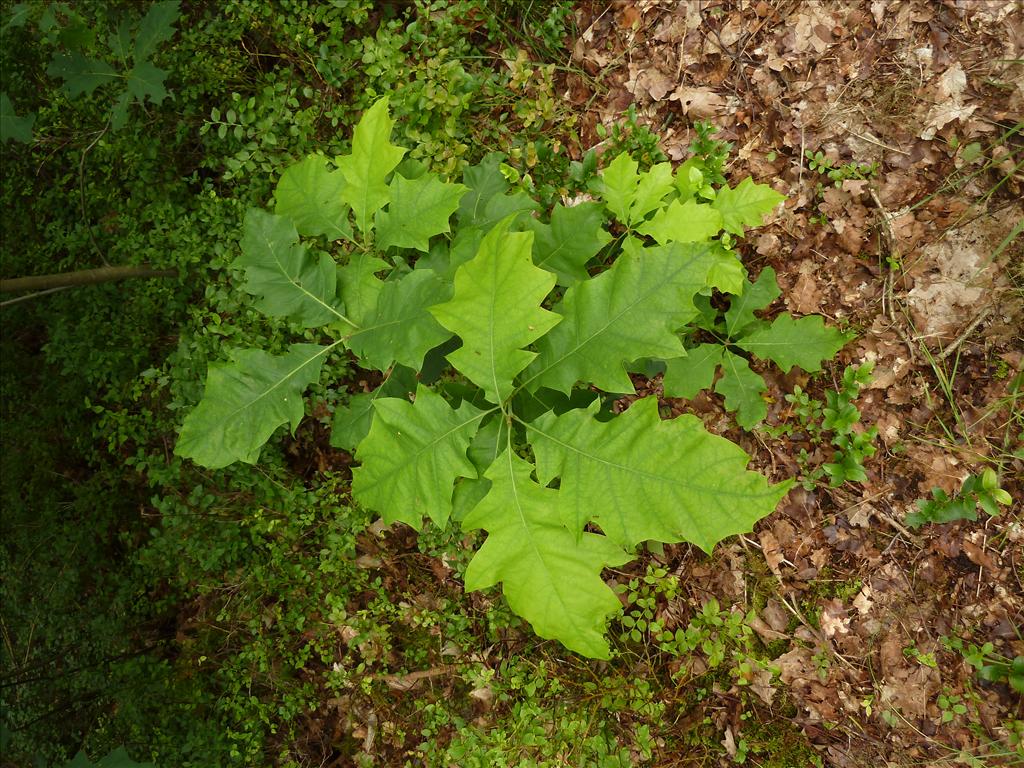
(888, 301)
(965, 335)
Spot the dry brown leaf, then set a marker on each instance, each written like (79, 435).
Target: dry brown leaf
(698, 102)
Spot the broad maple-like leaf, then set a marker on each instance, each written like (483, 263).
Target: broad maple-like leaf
(650, 191)
(146, 81)
(81, 74)
(366, 169)
(418, 210)
(618, 186)
(309, 193)
(483, 181)
(631, 195)
(496, 311)
(156, 27)
(412, 456)
(683, 223)
(12, 126)
(629, 312)
(640, 478)
(574, 236)
(400, 327)
(742, 389)
(351, 422)
(789, 342)
(288, 280)
(360, 287)
(686, 376)
(746, 204)
(550, 576)
(755, 296)
(245, 401)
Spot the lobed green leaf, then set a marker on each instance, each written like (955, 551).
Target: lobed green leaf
(549, 575)
(245, 401)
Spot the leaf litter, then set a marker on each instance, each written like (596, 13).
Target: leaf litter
(919, 258)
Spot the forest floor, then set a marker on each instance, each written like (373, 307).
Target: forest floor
(913, 242)
(923, 256)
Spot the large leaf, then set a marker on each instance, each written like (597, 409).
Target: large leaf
(146, 81)
(574, 237)
(686, 376)
(789, 342)
(12, 126)
(629, 312)
(309, 193)
(755, 296)
(654, 185)
(618, 186)
(412, 457)
(418, 210)
(360, 287)
(288, 280)
(747, 204)
(81, 74)
(156, 27)
(631, 195)
(400, 329)
(366, 169)
(496, 311)
(742, 388)
(245, 401)
(641, 478)
(483, 182)
(683, 223)
(550, 576)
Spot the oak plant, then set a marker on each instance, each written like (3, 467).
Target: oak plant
(527, 324)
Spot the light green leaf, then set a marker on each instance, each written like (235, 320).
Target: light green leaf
(400, 328)
(412, 456)
(496, 311)
(574, 236)
(156, 27)
(11, 125)
(742, 389)
(550, 576)
(288, 280)
(629, 312)
(789, 342)
(686, 376)
(618, 186)
(726, 273)
(360, 287)
(245, 401)
(755, 296)
(685, 223)
(419, 209)
(747, 204)
(309, 193)
(654, 185)
(640, 478)
(366, 169)
(80, 73)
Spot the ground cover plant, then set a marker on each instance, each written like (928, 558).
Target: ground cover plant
(415, 458)
(285, 609)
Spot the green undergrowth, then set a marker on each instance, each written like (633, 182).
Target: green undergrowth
(141, 598)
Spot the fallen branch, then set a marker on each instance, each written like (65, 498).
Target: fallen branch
(82, 277)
